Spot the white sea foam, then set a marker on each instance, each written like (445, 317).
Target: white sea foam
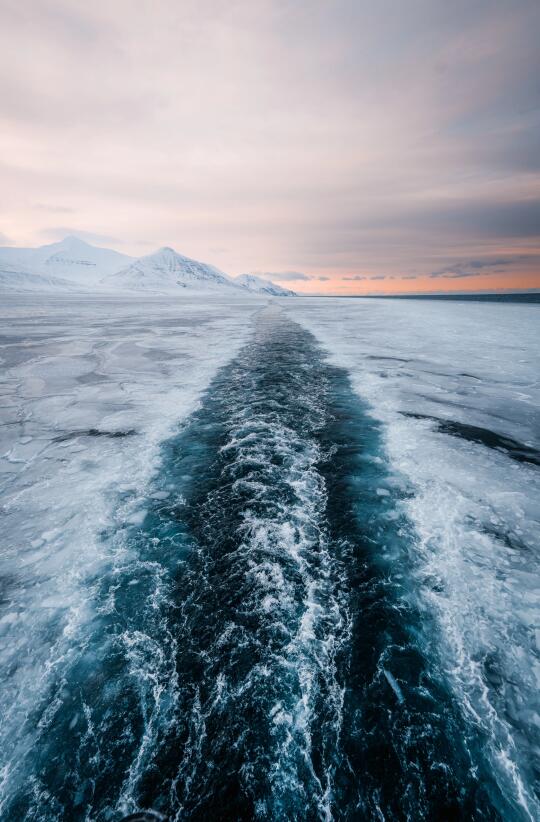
(294, 532)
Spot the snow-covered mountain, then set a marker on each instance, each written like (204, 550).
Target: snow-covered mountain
(260, 286)
(72, 259)
(74, 264)
(167, 271)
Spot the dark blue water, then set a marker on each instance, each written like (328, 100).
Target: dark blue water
(255, 653)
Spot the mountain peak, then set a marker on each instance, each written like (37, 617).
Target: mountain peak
(72, 241)
(166, 270)
(71, 259)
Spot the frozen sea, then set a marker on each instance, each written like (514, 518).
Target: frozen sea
(269, 559)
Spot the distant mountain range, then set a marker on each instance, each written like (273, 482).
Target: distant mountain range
(75, 265)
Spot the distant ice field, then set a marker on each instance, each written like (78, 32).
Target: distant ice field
(254, 550)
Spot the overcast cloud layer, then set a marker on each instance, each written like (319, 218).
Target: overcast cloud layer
(360, 146)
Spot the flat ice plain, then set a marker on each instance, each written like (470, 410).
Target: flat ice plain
(92, 387)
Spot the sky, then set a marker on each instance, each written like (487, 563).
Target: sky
(335, 146)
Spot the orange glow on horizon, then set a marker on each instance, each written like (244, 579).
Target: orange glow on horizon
(336, 285)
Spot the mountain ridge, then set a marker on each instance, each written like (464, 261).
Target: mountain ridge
(165, 270)
(74, 264)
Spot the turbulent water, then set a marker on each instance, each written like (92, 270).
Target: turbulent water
(252, 648)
